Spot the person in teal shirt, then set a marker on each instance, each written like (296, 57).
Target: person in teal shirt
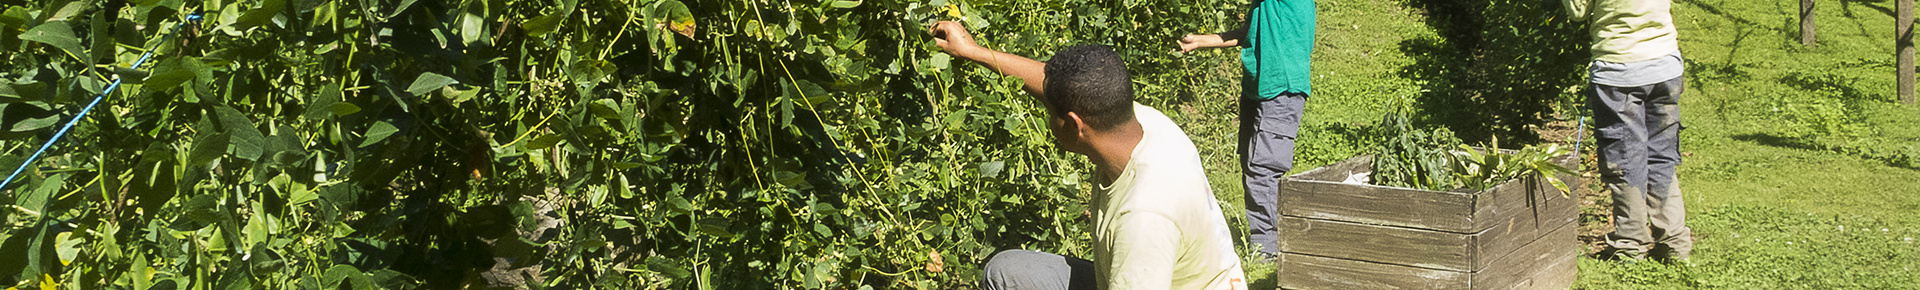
(1276, 45)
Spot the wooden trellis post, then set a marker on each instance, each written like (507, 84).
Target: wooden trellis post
(1903, 43)
(1806, 23)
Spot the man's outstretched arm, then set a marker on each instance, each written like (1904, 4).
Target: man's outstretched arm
(953, 38)
(1224, 39)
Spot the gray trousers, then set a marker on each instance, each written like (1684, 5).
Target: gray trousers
(1639, 147)
(1267, 131)
(1031, 270)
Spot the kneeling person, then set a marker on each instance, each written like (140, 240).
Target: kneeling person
(1156, 223)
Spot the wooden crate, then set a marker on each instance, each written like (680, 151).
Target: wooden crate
(1334, 235)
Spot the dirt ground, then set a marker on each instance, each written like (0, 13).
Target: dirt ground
(1595, 204)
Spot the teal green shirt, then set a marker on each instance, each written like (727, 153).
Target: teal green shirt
(1279, 46)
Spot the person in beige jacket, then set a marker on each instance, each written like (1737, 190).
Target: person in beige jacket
(1635, 85)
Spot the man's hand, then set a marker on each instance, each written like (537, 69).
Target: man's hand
(1193, 42)
(953, 38)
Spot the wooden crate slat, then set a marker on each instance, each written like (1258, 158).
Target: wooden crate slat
(1369, 204)
(1537, 265)
(1381, 244)
(1537, 212)
(1306, 272)
(1559, 276)
(1338, 171)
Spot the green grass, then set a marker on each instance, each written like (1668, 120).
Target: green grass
(1751, 187)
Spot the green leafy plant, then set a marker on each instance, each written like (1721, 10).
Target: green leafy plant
(1411, 157)
(1435, 160)
(1482, 169)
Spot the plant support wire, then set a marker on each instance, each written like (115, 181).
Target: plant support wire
(96, 101)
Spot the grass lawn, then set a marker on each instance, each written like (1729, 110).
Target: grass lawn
(1770, 209)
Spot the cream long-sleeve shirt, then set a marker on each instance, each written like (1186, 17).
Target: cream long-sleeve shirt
(1628, 31)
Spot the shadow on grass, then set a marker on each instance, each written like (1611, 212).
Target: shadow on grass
(1890, 159)
(1775, 141)
(1715, 10)
(1263, 282)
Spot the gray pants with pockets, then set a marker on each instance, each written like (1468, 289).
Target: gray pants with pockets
(1267, 131)
(1031, 270)
(1639, 147)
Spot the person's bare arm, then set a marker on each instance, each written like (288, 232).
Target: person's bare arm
(953, 38)
(1224, 39)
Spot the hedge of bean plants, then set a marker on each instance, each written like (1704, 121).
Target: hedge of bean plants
(679, 144)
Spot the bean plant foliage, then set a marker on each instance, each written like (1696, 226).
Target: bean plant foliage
(546, 143)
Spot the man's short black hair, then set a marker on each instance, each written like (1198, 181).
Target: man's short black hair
(1092, 81)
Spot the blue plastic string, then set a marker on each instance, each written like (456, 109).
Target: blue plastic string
(96, 101)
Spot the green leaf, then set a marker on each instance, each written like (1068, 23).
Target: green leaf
(677, 17)
(542, 25)
(664, 266)
(812, 94)
(322, 105)
(259, 15)
(247, 141)
(791, 179)
(472, 29)
(17, 16)
(428, 82)
(26, 117)
(404, 4)
(679, 205)
(8, 95)
(36, 265)
(845, 4)
(343, 109)
(380, 131)
(173, 72)
(67, 247)
(992, 169)
(605, 109)
(264, 261)
(463, 96)
(341, 196)
(204, 208)
(59, 35)
(207, 147)
(595, 195)
(37, 198)
(940, 61)
(102, 39)
(716, 226)
(390, 279)
(548, 23)
(339, 273)
(301, 195)
(822, 230)
(256, 230)
(623, 187)
(589, 73)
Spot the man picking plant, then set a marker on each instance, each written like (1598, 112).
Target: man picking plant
(1636, 81)
(1156, 223)
(1277, 43)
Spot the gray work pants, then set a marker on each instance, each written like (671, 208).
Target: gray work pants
(1639, 147)
(1267, 131)
(1030, 270)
